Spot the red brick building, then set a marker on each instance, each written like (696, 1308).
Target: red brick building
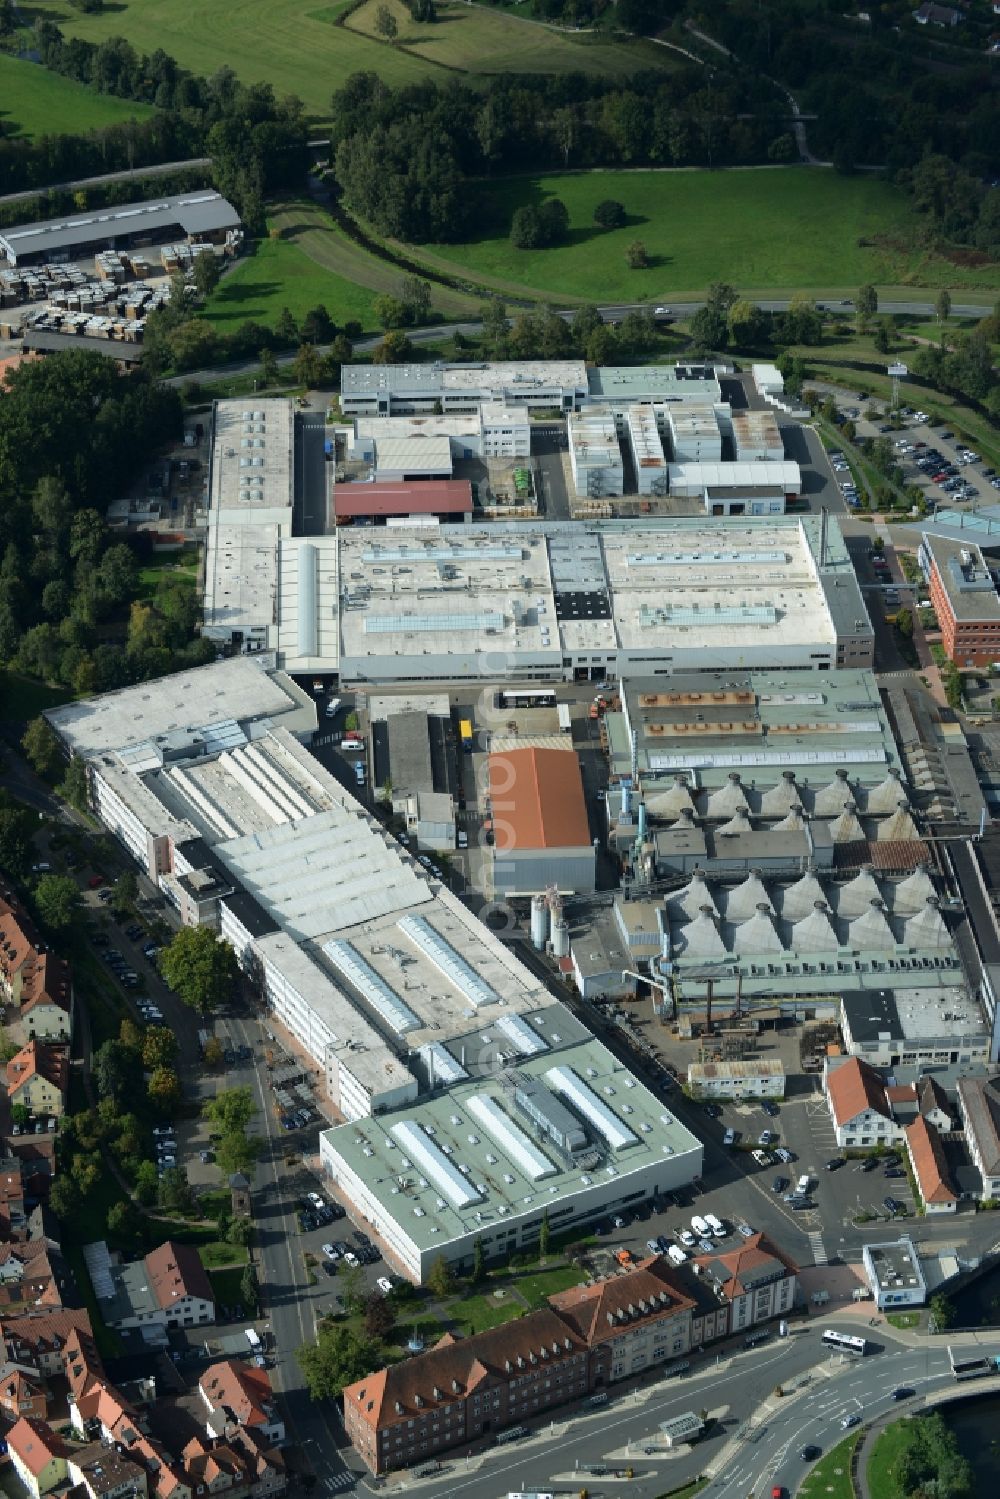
(965, 600)
(589, 1337)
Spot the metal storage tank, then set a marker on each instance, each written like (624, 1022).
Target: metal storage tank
(560, 939)
(539, 922)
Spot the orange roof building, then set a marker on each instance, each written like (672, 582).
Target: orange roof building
(237, 1395)
(541, 829)
(38, 1455)
(930, 1167)
(861, 1111)
(38, 1077)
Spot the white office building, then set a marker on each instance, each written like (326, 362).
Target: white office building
(595, 455)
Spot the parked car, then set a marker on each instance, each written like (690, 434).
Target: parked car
(834, 1163)
(779, 1184)
(384, 1284)
(894, 1173)
(352, 1259)
(770, 1108)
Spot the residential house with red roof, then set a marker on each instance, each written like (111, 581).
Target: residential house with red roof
(22, 1395)
(930, 1168)
(237, 1394)
(38, 1455)
(38, 1077)
(861, 1112)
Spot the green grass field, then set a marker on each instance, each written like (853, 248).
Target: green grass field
(36, 102)
(492, 41)
(885, 1455)
(479, 1313)
(831, 1476)
(295, 45)
(762, 230)
(279, 274)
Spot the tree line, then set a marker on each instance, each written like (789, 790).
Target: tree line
(410, 160)
(257, 142)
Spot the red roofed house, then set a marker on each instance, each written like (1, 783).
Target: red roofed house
(38, 1455)
(21, 1396)
(239, 1395)
(104, 1472)
(181, 1285)
(36, 1339)
(930, 1167)
(31, 977)
(240, 1465)
(757, 1279)
(38, 1076)
(540, 824)
(862, 1114)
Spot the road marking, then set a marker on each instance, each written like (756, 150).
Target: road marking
(816, 1245)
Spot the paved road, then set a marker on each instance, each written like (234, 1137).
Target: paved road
(135, 173)
(311, 488)
(610, 314)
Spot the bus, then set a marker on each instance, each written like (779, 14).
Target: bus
(465, 734)
(847, 1342)
(969, 1363)
(527, 697)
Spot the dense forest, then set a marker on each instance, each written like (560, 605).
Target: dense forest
(74, 433)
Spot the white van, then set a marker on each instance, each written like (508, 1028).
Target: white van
(729, 1138)
(351, 743)
(359, 774)
(676, 1255)
(716, 1225)
(700, 1228)
(333, 707)
(803, 1184)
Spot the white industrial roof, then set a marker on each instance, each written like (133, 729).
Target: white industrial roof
(785, 475)
(251, 474)
(240, 578)
(185, 705)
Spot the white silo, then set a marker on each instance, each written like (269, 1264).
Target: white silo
(560, 939)
(539, 922)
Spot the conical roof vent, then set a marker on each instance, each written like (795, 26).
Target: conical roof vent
(743, 901)
(738, 823)
(829, 800)
(886, 796)
(689, 901)
(757, 935)
(871, 930)
(777, 801)
(898, 827)
(814, 933)
(727, 799)
(799, 899)
(668, 801)
(913, 893)
(846, 828)
(792, 822)
(685, 820)
(927, 928)
(701, 937)
(857, 895)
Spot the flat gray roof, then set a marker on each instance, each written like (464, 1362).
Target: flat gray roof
(489, 1161)
(200, 212)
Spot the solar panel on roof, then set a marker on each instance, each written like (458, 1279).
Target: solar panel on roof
(391, 624)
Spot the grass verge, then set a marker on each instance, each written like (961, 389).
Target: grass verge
(36, 102)
(478, 1313)
(535, 1288)
(831, 1476)
(883, 1482)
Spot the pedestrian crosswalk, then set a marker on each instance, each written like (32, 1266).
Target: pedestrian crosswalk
(816, 1245)
(345, 1480)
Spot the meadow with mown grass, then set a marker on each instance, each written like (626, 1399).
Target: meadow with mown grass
(776, 230)
(309, 50)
